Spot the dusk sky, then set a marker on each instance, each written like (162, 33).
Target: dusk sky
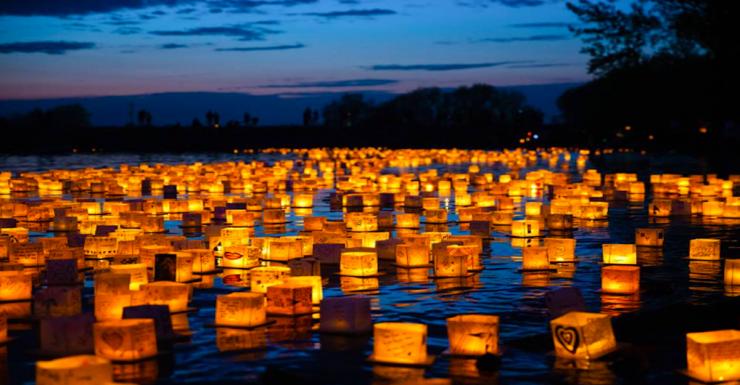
(57, 48)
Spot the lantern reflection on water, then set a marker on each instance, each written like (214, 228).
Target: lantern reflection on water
(732, 275)
(400, 343)
(125, 340)
(713, 356)
(74, 370)
(473, 334)
(581, 335)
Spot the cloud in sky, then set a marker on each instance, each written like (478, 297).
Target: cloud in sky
(336, 83)
(173, 46)
(263, 48)
(352, 13)
(242, 32)
(440, 67)
(47, 47)
(544, 24)
(83, 7)
(516, 39)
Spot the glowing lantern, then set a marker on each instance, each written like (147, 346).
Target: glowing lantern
(651, 237)
(706, 249)
(241, 257)
(436, 215)
(15, 285)
(284, 249)
(303, 200)
(412, 255)
(400, 343)
(620, 279)
(525, 228)
(713, 356)
(559, 221)
(313, 223)
(125, 340)
(447, 265)
(712, 208)
(346, 315)
(317, 291)
(362, 221)
(358, 263)
(137, 271)
(533, 209)
(469, 252)
(240, 309)
(560, 250)
(173, 294)
(535, 258)
(289, 299)
(619, 253)
(407, 221)
(27, 254)
(273, 216)
(261, 278)
(473, 334)
(74, 370)
(203, 260)
(732, 274)
(581, 335)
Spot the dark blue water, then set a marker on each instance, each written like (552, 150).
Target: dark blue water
(295, 354)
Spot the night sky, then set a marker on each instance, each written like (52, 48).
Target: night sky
(59, 48)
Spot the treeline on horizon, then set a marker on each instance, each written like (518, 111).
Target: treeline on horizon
(665, 78)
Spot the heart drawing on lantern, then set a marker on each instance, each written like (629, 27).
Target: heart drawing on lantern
(568, 338)
(114, 339)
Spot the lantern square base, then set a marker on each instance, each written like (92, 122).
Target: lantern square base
(429, 361)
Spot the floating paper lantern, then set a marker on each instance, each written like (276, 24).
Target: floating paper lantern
(313, 223)
(525, 228)
(582, 335)
(284, 249)
(15, 285)
(560, 250)
(273, 216)
(62, 336)
(533, 209)
(125, 340)
(620, 279)
(559, 222)
(229, 339)
(535, 258)
(173, 294)
(362, 221)
(137, 271)
(346, 315)
(358, 263)
(27, 254)
(400, 343)
(203, 260)
(303, 200)
(240, 309)
(57, 301)
(447, 265)
(706, 249)
(649, 237)
(74, 370)
(289, 299)
(241, 257)
(436, 215)
(619, 253)
(473, 334)
(713, 356)
(262, 278)
(412, 255)
(317, 290)
(469, 252)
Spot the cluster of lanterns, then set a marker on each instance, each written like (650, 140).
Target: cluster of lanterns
(144, 276)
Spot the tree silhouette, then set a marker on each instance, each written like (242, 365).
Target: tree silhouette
(307, 117)
(144, 118)
(247, 119)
